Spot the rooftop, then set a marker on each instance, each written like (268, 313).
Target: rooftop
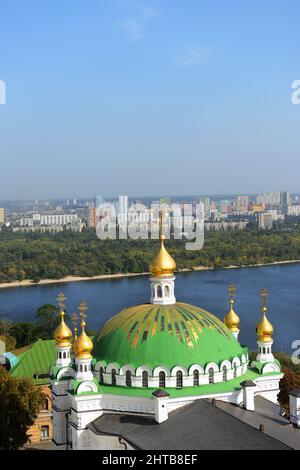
(209, 428)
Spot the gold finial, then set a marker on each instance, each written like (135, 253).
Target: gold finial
(62, 334)
(264, 294)
(232, 320)
(83, 308)
(162, 265)
(264, 329)
(83, 344)
(74, 321)
(231, 292)
(61, 300)
(161, 226)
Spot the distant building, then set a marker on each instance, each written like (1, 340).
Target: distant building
(242, 203)
(285, 200)
(2, 215)
(269, 199)
(93, 217)
(206, 204)
(294, 210)
(265, 220)
(123, 208)
(98, 201)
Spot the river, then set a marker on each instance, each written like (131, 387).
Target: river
(206, 289)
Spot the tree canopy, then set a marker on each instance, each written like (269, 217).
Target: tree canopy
(20, 404)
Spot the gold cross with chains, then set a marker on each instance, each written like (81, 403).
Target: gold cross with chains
(231, 291)
(83, 308)
(264, 294)
(61, 300)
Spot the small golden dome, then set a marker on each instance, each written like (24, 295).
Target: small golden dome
(83, 344)
(162, 265)
(264, 329)
(62, 334)
(232, 320)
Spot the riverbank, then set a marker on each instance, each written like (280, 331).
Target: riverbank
(67, 279)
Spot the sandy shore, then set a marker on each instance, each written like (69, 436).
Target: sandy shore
(26, 283)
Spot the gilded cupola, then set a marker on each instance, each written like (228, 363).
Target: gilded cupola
(162, 265)
(62, 334)
(83, 344)
(264, 329)
(232, 320)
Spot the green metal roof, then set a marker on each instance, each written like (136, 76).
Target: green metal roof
(37, 359)
(170, 335)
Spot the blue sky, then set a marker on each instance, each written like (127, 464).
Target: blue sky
(148, 98)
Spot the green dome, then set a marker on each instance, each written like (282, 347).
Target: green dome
(167, 335)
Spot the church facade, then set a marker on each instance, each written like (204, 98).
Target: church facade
(152, 359)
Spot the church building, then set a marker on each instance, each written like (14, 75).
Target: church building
(164, 364)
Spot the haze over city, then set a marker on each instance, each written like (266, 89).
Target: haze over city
(146, 98)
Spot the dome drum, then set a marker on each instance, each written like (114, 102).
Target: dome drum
(177, 377)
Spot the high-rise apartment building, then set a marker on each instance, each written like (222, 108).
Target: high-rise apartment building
(98, 201)
(285, 200)
(1, 215)
(93, 217)
(242, 203)
(265, 220)
(206, 204)
(123, 208)
(269, 199)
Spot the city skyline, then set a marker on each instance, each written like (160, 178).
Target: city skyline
(152, 96)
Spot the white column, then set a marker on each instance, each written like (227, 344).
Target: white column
(161, 405)
(248, 388)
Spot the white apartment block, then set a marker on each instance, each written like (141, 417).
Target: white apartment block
(294, 210)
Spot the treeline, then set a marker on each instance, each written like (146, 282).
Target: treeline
(53, 256)
(19, 334)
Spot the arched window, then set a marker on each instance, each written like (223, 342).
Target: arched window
(234, 371)
(211, 375)
(113, 377)
(162, 379)
(167, 290)
(196, 378)
(128, 378)
(145, 379)
(159, 291)
(101, 378)
(224, 370)
(179, 379)
(264, 350)
(85, 368)
(64, 355)
(45, 405)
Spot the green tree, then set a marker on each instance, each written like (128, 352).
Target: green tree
(46, 321)
(20, 405)
(24, 333)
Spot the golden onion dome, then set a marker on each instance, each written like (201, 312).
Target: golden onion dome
(264, 329)
(232, 320)
(162, 265)
(83, 345)
(63, 334)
